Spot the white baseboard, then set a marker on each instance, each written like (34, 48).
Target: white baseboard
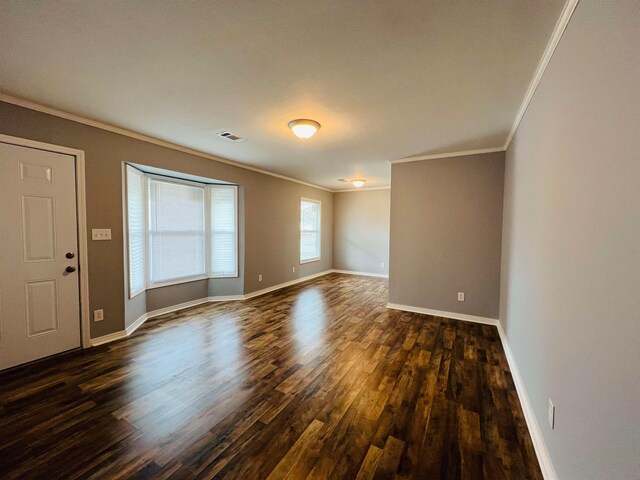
(172, 308)
(440, 313)
(539, 444)
(112, 337)
(532, 423)
(257, 293)
(366, 274)
(134, 326)
(226, 298)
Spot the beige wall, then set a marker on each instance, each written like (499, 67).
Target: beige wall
(446, 221)
(270, 207)
(570, 300)
(361, 231)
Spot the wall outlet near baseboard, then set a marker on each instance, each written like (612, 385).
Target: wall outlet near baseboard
(293, 269)
(260, 277)
(551, 415)
(98, 315)
(461, 296)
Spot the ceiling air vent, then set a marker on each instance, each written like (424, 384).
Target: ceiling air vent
(230, 136)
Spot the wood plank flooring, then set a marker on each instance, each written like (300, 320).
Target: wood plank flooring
(318, 380)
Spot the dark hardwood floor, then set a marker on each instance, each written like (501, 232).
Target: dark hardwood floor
(318, 380)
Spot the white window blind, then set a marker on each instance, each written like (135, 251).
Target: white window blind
(224, 231)
(136, 228)
(309, 230)
(176, 231)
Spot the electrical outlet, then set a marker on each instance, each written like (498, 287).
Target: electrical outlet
(461, 296)
(101, 234)
(260, 277)
(293, 269)
(551, 415)
(98, 315)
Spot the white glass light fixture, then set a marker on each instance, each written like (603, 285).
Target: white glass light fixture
(304, 128)
(357, 182)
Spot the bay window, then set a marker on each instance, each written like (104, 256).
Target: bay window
(179, 230)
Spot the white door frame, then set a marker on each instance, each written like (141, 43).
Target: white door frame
(81, 206)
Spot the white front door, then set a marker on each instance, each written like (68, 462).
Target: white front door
(39, 293)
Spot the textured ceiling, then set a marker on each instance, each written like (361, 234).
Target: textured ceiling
(386, 80)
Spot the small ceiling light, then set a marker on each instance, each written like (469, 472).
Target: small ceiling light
(358, 183)
(304, 128)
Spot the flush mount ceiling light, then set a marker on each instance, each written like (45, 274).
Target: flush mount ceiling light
(304, 128)
(356, 182)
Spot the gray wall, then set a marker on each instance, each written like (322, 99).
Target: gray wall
(570, 300)
(271, 223)
(446, 221)
(361, 231)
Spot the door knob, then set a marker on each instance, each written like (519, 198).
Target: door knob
(69, 255)
(70, 269)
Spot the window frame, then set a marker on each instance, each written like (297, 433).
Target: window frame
(178, 280)
(145, 232)
(209, 226)
(208, 237)
(319, 257)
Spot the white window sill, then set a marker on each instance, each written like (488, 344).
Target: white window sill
(178, 281)
(310, 260)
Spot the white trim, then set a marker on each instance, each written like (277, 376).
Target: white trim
(319, 257)
(448, 155)
(366, 274)
(112, 337)
(145, 138)
(135, 325)
(236, 229)
(542, 454)
(221, 298)
(226, 298)
(81, 214)
(169, 309)
(561, 25)
(176, 281)
(441, 313)
(544, 460)
(365, 189)
(257, 293)
(125, 233)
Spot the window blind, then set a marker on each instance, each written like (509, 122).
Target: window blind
(309, 230)
(136, 228)
(176, 231)
(224, 231)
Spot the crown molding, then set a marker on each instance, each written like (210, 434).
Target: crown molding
(145, 138)
(558, 31)
(461, 153)
(361, 189)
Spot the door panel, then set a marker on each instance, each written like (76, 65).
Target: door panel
(38, 229)
(38, 173)
(39, 299)
(42, 307)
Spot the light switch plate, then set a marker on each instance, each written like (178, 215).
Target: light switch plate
(101, 234)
